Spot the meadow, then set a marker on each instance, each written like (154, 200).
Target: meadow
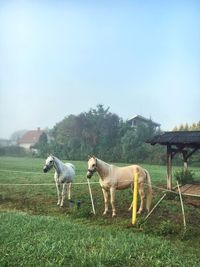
(35, 232)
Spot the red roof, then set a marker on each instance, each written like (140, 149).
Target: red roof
(31, 137)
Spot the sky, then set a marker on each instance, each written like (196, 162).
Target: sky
(64, 57)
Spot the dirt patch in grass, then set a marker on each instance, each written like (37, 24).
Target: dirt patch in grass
(193, 202)
(166, 220)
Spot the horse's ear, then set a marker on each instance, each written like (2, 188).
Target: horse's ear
(89, 156)
(93, 157)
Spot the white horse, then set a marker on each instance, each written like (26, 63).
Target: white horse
(113, 177)
(64, 174)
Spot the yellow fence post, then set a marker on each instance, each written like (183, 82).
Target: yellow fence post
(135, 193)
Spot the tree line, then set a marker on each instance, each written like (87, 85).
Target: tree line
(187, 127)
(104, 134)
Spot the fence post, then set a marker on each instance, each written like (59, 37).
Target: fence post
(135, 193)
(90, 191)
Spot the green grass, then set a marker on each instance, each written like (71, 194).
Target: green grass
(47, 241)
(35, 232)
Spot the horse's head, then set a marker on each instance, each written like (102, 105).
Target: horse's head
(48, 164)
(92, 166)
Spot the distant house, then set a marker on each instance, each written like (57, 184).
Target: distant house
(30, 138)
(139, 120)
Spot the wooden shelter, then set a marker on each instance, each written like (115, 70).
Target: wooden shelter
(184, 142)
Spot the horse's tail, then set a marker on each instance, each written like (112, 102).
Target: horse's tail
(149, 191)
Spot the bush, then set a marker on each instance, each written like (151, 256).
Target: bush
(13, 151)
(184, 176)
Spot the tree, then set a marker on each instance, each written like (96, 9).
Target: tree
(42, 145)
(93, 132)
(104, 134)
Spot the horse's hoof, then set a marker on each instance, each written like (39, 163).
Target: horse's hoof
(139, 212)
(114, 216)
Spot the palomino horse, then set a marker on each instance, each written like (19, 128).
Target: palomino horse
(113, 177)
(64, 174)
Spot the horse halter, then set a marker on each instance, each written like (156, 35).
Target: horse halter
(94, 169)
(48, 166)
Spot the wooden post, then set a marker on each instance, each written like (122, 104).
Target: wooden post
(169, 168)
(182, 207)
(185, 165)
(155, 206)
(185, 161)
(90, 191)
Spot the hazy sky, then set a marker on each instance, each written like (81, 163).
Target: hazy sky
(65, 57)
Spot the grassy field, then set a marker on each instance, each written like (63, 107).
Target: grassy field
(35, 232)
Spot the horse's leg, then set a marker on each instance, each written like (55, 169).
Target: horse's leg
(112, 201)
(58, 190)
(69, 185)
(105, 194)
(141, 193)
(129, 209)
(63, 194)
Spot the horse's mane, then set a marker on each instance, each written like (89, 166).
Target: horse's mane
(57, 159)
(101, 164)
